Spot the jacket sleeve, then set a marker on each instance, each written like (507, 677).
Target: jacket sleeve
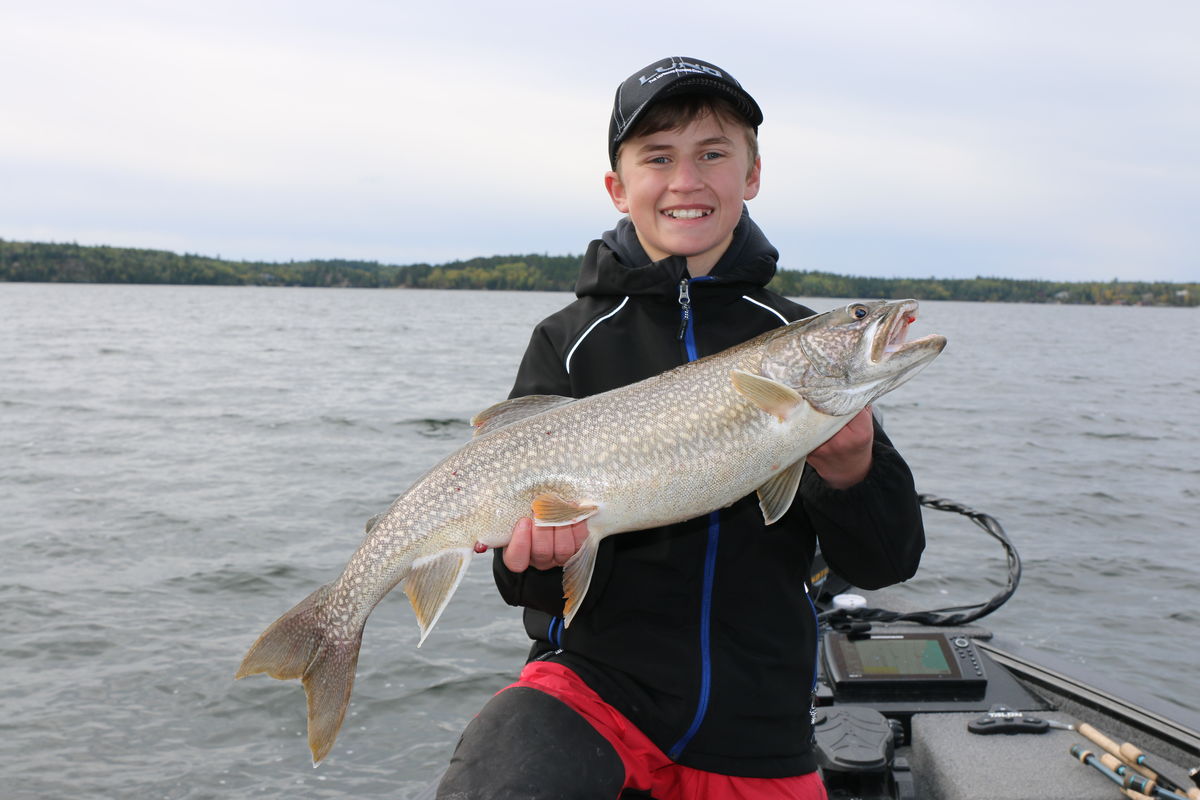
(541, 372)
(871, 534)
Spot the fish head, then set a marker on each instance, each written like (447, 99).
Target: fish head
(844, 359)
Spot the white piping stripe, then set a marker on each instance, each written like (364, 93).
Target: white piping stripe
(579, 341)
(786, 321)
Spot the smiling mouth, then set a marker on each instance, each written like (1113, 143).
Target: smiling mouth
(686, 213)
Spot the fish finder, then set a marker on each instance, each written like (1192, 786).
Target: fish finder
(917, 664)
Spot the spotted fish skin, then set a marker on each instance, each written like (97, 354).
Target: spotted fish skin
(670, 448)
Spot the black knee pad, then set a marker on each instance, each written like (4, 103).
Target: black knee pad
(527, 744)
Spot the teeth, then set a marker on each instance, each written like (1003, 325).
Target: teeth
(898, 335)
(686, 213)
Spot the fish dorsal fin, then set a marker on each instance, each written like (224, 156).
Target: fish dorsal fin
(373, 521)
(509, 411)
(432, 582)
(776, 495)
(577, 576)
(551, 509)
(771, 396)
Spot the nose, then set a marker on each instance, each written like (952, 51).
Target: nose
(686, 176)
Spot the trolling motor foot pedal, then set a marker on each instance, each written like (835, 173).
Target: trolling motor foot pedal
(855, 752)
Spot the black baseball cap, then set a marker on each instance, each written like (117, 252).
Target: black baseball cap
(667, 77)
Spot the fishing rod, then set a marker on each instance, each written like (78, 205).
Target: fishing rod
(1133, 762)
(1133, 784)
(1137, 759)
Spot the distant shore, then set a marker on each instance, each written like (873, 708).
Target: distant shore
(41, 262)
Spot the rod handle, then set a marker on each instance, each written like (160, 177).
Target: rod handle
(1131, 778)
(1136, 759)
(1099, 739)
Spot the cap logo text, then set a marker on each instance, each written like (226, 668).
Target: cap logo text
(682, 66)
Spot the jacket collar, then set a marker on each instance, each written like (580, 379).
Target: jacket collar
(616, 264)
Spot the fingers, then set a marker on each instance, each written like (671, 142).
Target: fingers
(516, 552)
(845, 459)
(542, 547)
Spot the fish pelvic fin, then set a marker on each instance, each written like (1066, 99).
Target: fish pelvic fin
(300, 645)
(771, 396)
(551, 509)
(507, 412)
(432, 582)
(776, 495)
(577, 576)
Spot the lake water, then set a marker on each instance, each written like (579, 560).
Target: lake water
(180, 465)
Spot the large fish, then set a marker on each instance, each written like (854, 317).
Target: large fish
(666, 449)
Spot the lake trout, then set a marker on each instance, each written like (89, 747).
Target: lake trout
(675, 446)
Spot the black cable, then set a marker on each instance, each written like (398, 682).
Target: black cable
(942, 617)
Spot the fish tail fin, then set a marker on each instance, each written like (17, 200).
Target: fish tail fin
(300, 645)
(577, 576)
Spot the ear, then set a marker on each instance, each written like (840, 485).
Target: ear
(753, 180)
(616, 191)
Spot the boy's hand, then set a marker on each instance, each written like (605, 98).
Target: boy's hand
(542, 547)
(846, 458)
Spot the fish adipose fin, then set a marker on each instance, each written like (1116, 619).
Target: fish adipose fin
(432, 582)
(550, 509)
(776, 495)
(299, 645)
(577, 576)
(510, 411)
(771, 396)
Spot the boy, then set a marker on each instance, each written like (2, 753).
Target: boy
(688, 669)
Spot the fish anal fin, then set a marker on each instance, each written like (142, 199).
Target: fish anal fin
(431, 583)
(551, 509)
(509, 411)
(769, 395)
(577, 576)
(776, 495)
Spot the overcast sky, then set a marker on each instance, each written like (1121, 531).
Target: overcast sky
(1007, 138)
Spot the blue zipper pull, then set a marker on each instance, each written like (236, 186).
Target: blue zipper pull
(685, 313)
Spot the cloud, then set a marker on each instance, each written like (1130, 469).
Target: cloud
(933, 137)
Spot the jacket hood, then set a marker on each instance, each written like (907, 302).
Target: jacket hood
(616, 264)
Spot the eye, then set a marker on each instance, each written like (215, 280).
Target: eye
(858, 310)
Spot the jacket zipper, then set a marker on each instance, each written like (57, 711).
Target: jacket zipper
(687, 335)
(685, 311)
(687, 330)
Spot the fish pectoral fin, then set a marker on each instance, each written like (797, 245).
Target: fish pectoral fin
(551, 509)
(432, 582)
(509, 411)
(577, 576)
(776, 495)
(771, 396)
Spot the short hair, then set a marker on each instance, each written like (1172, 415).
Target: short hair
(676, 113)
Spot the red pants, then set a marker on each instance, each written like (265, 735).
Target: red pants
(646, 767)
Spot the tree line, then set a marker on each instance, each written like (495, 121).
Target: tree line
(73, 263)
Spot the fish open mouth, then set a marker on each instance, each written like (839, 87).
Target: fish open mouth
(893, 336)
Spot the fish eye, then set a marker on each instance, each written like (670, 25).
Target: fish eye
(858, 310)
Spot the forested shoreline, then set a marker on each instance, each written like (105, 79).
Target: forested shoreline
(40, 262)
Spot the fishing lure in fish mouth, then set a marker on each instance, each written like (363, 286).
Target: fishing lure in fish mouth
(759, 409)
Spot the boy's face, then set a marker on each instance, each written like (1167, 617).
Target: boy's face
(684, 189)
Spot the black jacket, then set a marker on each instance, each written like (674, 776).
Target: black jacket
(702, 633)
